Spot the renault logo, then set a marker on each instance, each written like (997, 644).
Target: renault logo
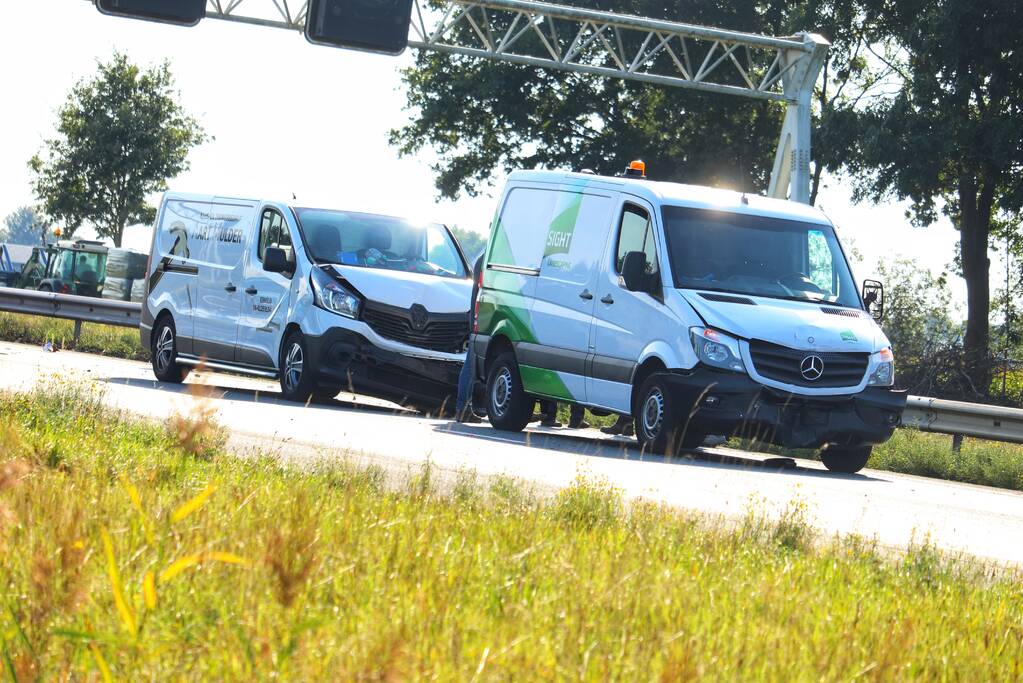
(419, 316)
(812, 368)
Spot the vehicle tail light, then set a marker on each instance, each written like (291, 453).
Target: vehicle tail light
(476, 305)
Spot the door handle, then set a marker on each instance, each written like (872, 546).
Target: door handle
(251, 290)
(230, 288)
(585, 294)
(607, 299)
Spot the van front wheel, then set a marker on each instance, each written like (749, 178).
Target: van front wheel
(508, 406)
(845, 459)
(298, 379)
(661, 425)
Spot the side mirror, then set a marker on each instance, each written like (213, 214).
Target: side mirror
(634, 272)
(275, 260)
(873, 299)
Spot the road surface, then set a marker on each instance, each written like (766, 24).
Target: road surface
(893, 508)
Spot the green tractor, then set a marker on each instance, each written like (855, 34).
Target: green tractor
(66, 267)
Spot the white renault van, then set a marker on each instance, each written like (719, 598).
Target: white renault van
(697, 311)
(324, 300)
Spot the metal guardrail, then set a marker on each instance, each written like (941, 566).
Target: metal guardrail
(957, 418)
(81, 309)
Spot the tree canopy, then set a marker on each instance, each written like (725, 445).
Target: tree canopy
(25, 226)
(948, 137)
(120, 136)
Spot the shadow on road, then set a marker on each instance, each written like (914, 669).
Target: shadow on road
(593, 444)
(590, 443)
(271, 397)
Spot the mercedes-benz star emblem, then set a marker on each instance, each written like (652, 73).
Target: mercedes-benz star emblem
(812, 368)
(419, 317)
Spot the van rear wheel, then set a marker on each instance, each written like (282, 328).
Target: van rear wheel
(508, 406)
(298, 379)
(845, 459)
(661, 424)
(164, 352)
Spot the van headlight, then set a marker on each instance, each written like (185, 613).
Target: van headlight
(330, 294)
(717, 349)
(884, 369)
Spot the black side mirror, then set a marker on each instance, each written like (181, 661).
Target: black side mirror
(275, 260)
(873, 299)
(634, 272)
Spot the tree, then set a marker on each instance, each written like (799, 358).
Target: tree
(120, 136)
(948, 138)
(513, 116)
(919, 324)
(25, 226)
(472, 242)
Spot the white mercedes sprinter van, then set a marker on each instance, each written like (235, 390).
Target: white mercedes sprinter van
(324, 300)
(697, 311)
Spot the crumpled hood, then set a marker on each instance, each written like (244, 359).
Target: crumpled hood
(790, 323)
(397, 288)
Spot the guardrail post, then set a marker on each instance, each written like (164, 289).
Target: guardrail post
(957, 443)
(78, 334)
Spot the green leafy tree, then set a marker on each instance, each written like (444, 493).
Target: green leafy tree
(472, 242)
(25, 226)
(948, 137)
(120, 136)
(512, 116)
(925, 338)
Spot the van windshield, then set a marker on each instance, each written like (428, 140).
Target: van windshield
(758, 256)
(372, 241)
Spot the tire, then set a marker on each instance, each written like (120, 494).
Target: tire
(508, 406)
(164, 352)
(845, 459)
(327, 392)
(45, 288)
(298, 381)
(660, 423)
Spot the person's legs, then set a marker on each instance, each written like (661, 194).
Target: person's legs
(549, 414)
(464, 400)
(576, 418)
(623, 426)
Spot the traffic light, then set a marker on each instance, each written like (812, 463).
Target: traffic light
(181, 12)
(373, 25)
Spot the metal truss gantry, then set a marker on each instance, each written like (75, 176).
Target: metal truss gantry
(613, 46)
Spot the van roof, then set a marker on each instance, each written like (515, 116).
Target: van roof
(678, 194)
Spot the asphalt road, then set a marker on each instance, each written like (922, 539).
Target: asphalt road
(895, 509)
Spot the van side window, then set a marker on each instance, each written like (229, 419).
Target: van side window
(636, 234)
(273, 232)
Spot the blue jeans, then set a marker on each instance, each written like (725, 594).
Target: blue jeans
(465, 382)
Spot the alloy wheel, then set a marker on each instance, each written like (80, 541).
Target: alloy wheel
(293, 364)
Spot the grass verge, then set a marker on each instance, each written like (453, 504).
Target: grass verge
(135, 550)
(106, 340)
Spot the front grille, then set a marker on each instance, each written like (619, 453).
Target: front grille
(447, 332)
(782, 364)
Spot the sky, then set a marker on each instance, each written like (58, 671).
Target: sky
(288, 117)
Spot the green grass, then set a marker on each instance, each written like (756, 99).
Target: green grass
(339, 574)
(931, 455)
(106, 340)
